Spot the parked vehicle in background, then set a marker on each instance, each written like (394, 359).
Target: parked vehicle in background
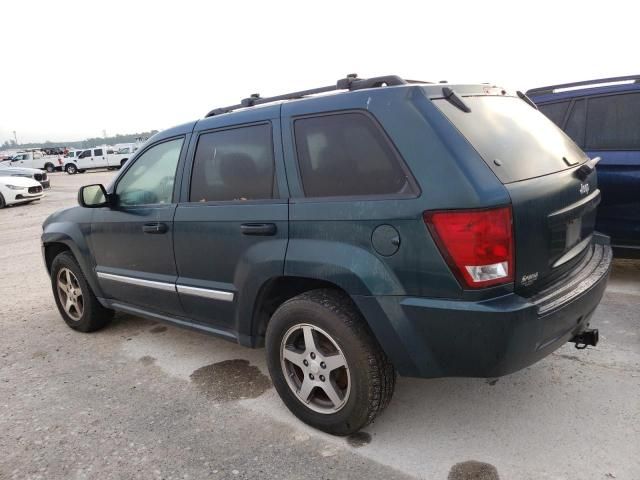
(126, 148)
(36, 159)
(433, 230)
(97, 157)
(603, 117)
(15, 190)
(71, 154)
(38, 175)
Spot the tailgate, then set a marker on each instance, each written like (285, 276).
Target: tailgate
(554, 206)
(554, 218)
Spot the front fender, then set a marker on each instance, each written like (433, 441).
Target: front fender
(74, 236)
(354, 269)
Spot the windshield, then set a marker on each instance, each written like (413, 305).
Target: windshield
(515, 140)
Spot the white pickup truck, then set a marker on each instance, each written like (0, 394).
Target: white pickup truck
(97, 157)
(35, 159)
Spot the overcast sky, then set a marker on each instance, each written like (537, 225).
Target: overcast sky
(70, 70)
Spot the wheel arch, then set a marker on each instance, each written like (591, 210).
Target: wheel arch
(55, 243)
(273, 293)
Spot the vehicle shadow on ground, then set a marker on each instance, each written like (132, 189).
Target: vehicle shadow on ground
(528, 414)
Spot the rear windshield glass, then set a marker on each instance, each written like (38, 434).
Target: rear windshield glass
(515, 140)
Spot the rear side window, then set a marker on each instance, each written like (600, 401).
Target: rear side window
(555, 111)
(576, 122)
(97, 152)
(612, 122)
(347, 155)
(235, 164)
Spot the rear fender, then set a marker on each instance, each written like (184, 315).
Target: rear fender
(356, 270)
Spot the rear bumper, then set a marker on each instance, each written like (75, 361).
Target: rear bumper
(427, 337)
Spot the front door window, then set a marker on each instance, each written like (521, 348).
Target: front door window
(151, 178)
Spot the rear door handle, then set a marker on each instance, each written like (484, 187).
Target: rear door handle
(258, 228)
(155, 227)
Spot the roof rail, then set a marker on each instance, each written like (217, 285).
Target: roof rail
(350, 82)
(585, 83)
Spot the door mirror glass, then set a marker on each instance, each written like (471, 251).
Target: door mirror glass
(93, 196)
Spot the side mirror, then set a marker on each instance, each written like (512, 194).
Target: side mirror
(93, 196)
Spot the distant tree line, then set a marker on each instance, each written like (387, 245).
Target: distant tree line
(89, 142)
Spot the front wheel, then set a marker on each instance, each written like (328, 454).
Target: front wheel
(76, 302)
(326, 364)
(71, 169)
(2, 202)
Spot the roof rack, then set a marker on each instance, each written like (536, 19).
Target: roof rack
(585, 83)
(350, 82)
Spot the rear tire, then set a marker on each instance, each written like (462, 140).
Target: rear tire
(76, 302)
(320, 348)
(71, 169)
(50, 168)
(2, 202)
(123, 162)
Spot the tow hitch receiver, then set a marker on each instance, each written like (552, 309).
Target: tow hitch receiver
(585, 338)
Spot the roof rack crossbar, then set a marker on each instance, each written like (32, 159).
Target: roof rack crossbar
(350, 82)
(552, 88)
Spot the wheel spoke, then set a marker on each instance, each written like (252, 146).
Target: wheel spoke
(309, 343)
(67, 278)
(294, 357)
(305, 390)
(332, 392)
(335, 361)
(68, 304)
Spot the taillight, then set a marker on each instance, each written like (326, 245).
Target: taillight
(477, 244)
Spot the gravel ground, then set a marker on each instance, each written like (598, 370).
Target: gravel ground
(145, 400)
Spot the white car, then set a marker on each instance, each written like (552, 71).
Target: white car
(38, 175)
(19, 190)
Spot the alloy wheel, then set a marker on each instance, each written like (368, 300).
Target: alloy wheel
(70, 294)
(315, 368)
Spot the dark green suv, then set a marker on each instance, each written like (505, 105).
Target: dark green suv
(358, 230)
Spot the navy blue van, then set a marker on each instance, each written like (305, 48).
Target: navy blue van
(603, 118)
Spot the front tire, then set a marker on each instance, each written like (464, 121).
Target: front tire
(71, 169)
(76, 302)
(2, 202)
(325, 363)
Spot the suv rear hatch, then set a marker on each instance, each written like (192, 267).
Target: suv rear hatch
(554, 205)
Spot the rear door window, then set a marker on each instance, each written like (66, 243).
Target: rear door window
(347, 154)
(235, 164)
(555, 111)
(515, 140)
(612, 122)
(97, 152)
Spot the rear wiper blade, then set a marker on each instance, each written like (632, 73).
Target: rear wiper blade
(454, 99)
(526, 99)
(586, 168)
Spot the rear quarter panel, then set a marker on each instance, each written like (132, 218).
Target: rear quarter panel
(330, 238)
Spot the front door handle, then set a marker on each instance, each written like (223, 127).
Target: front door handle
(156, 227)
(258, 228)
